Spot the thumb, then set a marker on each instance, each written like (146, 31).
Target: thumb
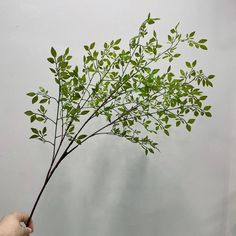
(27, 230)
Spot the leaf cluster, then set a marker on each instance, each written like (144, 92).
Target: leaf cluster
(126, 88)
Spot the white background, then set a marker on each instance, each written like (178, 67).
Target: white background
(108, 187)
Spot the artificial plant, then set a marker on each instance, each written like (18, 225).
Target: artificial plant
(131, 94)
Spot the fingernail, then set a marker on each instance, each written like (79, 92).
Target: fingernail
(29, 229)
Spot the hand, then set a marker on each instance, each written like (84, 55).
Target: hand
(10, 225)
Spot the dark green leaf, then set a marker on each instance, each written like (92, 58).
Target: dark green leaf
(191, 121)
(67, 51)
(192, 34)
(188, 64)
(40, 119)
(52, 70)
(86, 47)
(177, 123)
(35, 99)
(117, 41)
(82, 136)
(202, 41)
(166, 132)
(203, 98)
(31, 94)
(44, 130)
(188, 127)
(51, 60)
(43, 100)
(29, 113)
(84, 112)
(204, 47)
(34, 130)
(92, 45)
(32, 118)
(207, 108)
(208, 114)
(53, 52)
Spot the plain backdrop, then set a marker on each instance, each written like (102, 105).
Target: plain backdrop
(108, 187)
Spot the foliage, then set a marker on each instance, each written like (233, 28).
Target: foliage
(124, 87)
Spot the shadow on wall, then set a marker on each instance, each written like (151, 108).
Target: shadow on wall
(147, 207)
(231, 202)
(127, 197)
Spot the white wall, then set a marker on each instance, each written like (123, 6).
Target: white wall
(108, 187)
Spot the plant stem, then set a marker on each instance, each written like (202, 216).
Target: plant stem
(37, 200)
(48, 177)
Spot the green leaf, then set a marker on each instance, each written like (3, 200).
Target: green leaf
(42, 108)
(202, 40)
(52, 70)
(117, 41)
(177, 123)
(150, 150)
(32, 118)
(29, 113)
(192, 34)
(207, 108)
(202, 46)
(208, 114)
(44, 100)
(166, 132)
(86, 47)
(82, 136)
(34, 136)
(53, 52)
(67, 51)
(203, 98)
(35, 99)
(84, 112)
(51, 60)
(40, 119)
(188, 64)
(177, 55)
(188, 127)
(44, 130)
(191, 121)
(92, 45)
(116, 48)
(31, 94)
(60, 58)
(34, 130)
(194, 63)
(211, 76)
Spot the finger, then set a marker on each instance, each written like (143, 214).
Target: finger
(31, 225)
(21, 216)
(25, 231)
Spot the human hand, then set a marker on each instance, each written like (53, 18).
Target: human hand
(10, 225)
